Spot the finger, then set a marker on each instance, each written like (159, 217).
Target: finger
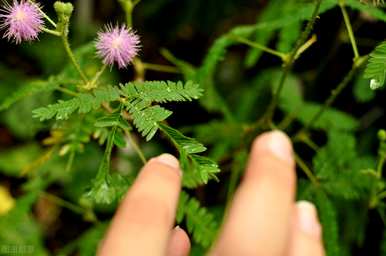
(144, 219)
(179, 243)
(307, 232)
(258, 222)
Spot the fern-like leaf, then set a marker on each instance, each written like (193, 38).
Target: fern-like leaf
(198, 170)
(376, 67)
(147, 118)
(84, 103)
(199, 221)
(161, 91)
(30, 88)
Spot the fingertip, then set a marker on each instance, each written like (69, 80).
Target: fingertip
(307, 219)
(277, 143)
(179, 243)
(168, 159)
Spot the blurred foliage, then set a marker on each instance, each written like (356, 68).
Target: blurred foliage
(202, 87)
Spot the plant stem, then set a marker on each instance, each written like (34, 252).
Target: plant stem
(305, 46)
(161, 68)
(291, 59)
(136, 147)
(93, 83)
(349, 29)
(307, 171)
(380, 164)
(52, 32)
(59, 201)
(128, 7)
(334, 94)
(67, 91)
(240, 39)
(72, 58)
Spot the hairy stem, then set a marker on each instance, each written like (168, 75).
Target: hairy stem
(349, 29)
(52, 32)
(291, 59)
(72, 58)
(307, 171)
(136, 147)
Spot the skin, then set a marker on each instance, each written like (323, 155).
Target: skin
(263, 219)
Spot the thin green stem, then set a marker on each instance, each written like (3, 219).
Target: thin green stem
(66, 91)
(291, 59)
(307, 171)
(59, 201)
(380, 164)
(136, 147)
(52, 32)
(334, 94)
(240, 39)
(128, 7)
(161, 68)
(73, 59)
(349, 29)
(93, 83)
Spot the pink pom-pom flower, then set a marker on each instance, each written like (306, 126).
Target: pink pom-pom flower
(22, 21)
(118, 45)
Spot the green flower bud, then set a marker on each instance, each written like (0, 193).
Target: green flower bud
(63, 8)
(382, 134)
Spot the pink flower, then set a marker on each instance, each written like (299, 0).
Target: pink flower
(22, 21)
(117, 45)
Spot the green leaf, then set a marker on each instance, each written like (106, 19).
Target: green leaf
(362, 91)
(183, 143)
(84, 103)
(198, 170)
(343, 174)
(147, 119)
(276, 18)
(328, 218)
(28, 89)
(376, 67)
(199, 221)
(109, 188)
(330, 119)
(13, 160)
(161, 91)
(375, 12)
(288, 36)
(291, 101)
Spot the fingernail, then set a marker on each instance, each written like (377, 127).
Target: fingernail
(279, 144)
(307, 219)
(169, 160)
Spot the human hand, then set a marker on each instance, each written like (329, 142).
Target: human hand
(263, 219)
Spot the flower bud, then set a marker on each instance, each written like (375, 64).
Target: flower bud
(63, 8)
(382, 135)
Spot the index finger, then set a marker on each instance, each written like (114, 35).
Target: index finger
(144, 220)
(258, 222)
